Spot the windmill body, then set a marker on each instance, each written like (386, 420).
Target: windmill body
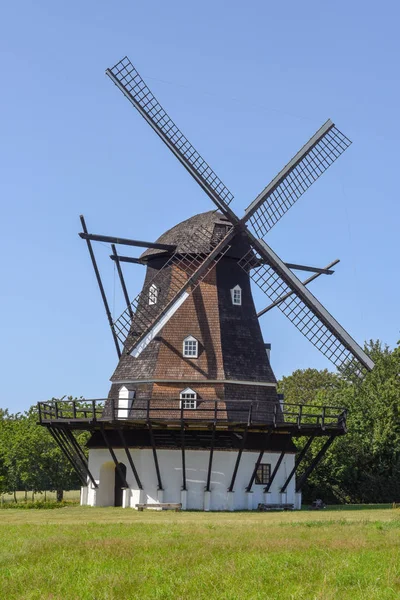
(193, 418)
(210, 350)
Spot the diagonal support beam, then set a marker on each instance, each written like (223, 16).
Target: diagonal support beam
(184, 488)
(115, 257)
(239, 456)
(153, 446)
(275, 471)
(101, 288)
(130, 459)
(112, 453)
(314, 463)
(61, 444)
(258, 462)
(306, 282)
(298, 461)
(210, 460)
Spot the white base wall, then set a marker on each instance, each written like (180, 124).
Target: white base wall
(170, 462)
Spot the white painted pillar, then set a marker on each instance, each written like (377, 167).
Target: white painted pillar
(126, 497)
(184, 499)
(283, 497)
(207, 501)
(160, 495)
(137, 497)
(231, 501)
(267, 498)
(297, 501)
(249, 500)
(84, 495)
(92, 492)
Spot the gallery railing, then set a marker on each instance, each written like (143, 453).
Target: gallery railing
(174, 410)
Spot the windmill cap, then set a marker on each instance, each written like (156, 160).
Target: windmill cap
(209, 224)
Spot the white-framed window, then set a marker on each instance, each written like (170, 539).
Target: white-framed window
(190, 347)
(153, 294)
(188, 399)
(236, 294)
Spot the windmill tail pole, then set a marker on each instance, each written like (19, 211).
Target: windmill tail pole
(101, 288)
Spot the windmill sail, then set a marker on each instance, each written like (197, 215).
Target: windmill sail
(128, 80)
(301, 307)
(190, 269)
(320, 152)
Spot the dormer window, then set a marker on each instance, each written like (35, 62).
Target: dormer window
(190, 347)
(188, 399)
(236, 294)
(153, 294)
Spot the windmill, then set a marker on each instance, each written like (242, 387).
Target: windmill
(184, 331)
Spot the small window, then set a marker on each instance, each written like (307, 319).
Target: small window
(190, 347)
(188, 399)
(263, 474)
(153, 294)
(236, 294)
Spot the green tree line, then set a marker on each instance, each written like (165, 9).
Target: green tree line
(362, 466)
(30, 460)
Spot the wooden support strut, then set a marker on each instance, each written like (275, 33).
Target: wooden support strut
(275, 471)
(184, 488)
(239, 456)
(153, 445)
(122, 280)
(74, 443)
(100, 284)
(210, 460)
(130, 460)
(298, 461)
(67, 455)
(258, 462)
(111, 451)
(314, 463)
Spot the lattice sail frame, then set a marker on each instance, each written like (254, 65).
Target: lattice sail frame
(185, 265)
(132, 85)
(304, 169)
(294, 308)
(289, 185)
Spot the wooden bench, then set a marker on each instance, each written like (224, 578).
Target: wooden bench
(266, 507)
(163, 505)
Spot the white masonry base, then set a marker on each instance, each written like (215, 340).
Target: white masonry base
(194, 497)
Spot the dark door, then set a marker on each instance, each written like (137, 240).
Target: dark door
(119, 484)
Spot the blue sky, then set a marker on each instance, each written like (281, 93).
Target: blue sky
(248, 83)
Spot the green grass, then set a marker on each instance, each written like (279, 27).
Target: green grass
(71, 495)
(98, 554)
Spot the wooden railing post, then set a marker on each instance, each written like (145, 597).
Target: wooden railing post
(323, 417)
(56, 409)
(93, 410)
(74, 409)
(299, 416)
(113, 415)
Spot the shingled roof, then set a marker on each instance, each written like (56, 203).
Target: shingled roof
(211, 223)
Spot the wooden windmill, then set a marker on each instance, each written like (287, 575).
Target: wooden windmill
(193, 416)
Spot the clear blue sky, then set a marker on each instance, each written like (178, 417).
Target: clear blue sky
(248, 83)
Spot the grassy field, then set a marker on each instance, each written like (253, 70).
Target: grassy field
(87, 553)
